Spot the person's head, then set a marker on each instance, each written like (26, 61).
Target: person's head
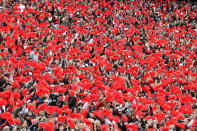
(24, 125)
(80, 126)
(6, 128)
(41, 113)
(155, 126)
(171, 127)
(108, 104)
(23, 130)
(129, 115)
(34, 49)
(101, 97)
(97, 124)
(29, 116)
(15, 128)
(61, 128)
(119, 111)
(8, 87)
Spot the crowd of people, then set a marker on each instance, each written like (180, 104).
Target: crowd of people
(98, 65)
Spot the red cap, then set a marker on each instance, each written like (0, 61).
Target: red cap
(181, 125)
(15, 84)
(132, 126)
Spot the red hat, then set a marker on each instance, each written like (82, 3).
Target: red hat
(67, 111)
(76, 115)
(109, 98)
(6, 115)
(98, 114)
(49, 126)
(17, 121)
(71, 124)
(132, 126)
(160, 116)
(51, 109)
(15, 84)
(104, 127)
(61, 118)
(84, 112)
(149, 117)
(6, 94)
(61, 90)
(42, 107)
(181, 125)
(72, 92)
(16, 95)
(3, 102)
(164, 128)
(124, 118)
(87, 121)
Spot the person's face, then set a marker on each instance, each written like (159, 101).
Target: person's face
(108, 104)
(98, 124)
(101, 97)
(91, 115)
(139, 124)
(14, 129)
(61, 128)
(81, 126)
(75, 110)
(119, 111)
(8, 87)
(28, 118)
(24, 125)
(155, 126)
(41, 113)
(6, 129)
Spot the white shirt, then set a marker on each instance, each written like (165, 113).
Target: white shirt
(34, 56)
(22, 7)
(85, 106)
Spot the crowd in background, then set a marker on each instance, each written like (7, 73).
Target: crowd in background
(98, 65)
